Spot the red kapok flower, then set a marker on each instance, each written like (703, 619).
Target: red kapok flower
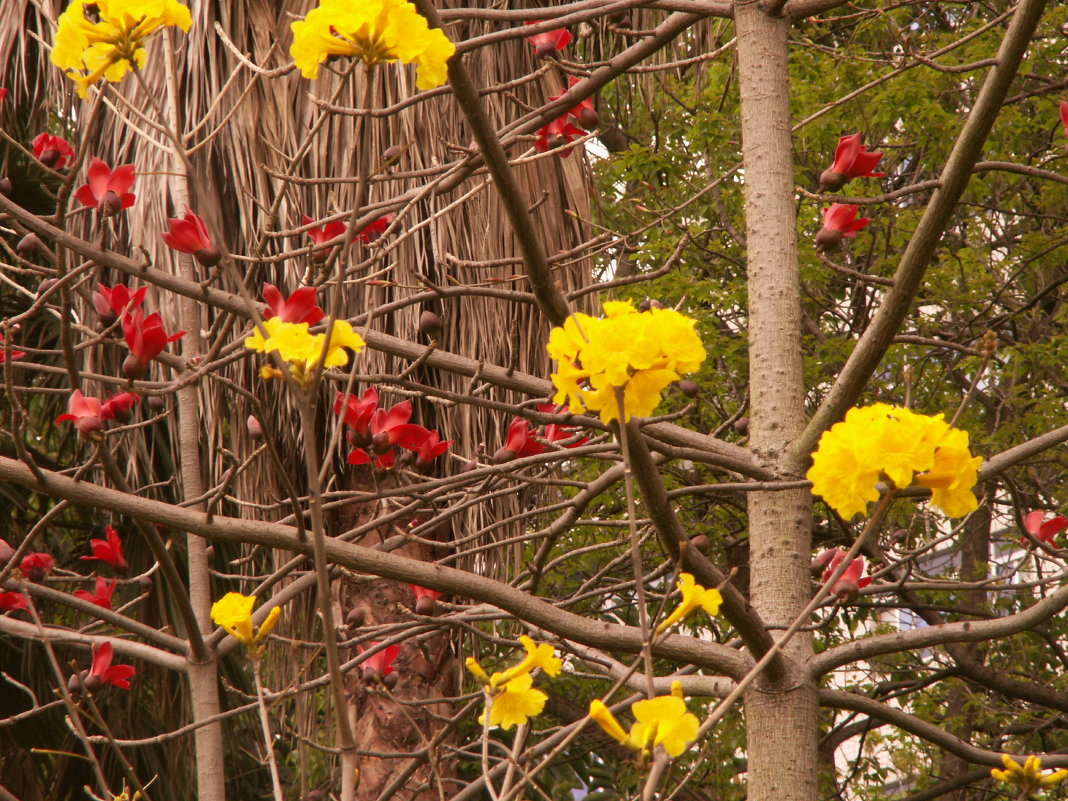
(1043, 531)
(375, 230)
(103, 672)
(84, 413)
(555, 432)
(102, 597)
(109, 550)
(107, 189)
(1064, 115)
(548, 43)
(557, 134)
(3, 93)
(190, 235)
(119, 407)
(379, 664)
(52, 151)
(110, 302)
(146, 338)
(850, 582)
(15, 354)
(322, 234)
(358, 414)
(431, 449)
(12, 601)
(520, 442)
(839, 222)
(851, 160)
(584, 113)
(299, 308)
(35, 566)
(425, 600)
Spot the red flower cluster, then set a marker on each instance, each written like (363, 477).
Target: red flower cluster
(190, 235)
(1043, 531)
(36, 566)
(383, 430)
(549, 43)
(52, 151)
(300, 307)
(89, 414)
(569, 126)
(839, 222)
(109, 550)
(851, 160)
(107, 189)
(522, 441)
(146, 338)
(380, 664)
(113, 302)
(850, 582)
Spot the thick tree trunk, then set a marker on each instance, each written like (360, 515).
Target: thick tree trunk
(781, 716)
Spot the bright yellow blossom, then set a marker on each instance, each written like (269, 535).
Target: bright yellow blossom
(515, 701)
(901, 447)
(234, 613)
(110, 41)
(1028, 777)
(302, 349)
(638, 352)
(374, 31)
(662, 721)
(694, 597)
(511, 690)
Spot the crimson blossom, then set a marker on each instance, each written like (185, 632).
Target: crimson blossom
(146, 338)
(36, 566)
(103, 672)
(851, 160)
(107, 190)
(1043, 530)
(109, 550)
(380, 664)
(190, 235)
(850, 582)
(102, 596)
(12, 601)
(84, 412)
(15, 354)
(111, 302)
(549, 43)
(52, 151)
(300, 307)
(839, 222)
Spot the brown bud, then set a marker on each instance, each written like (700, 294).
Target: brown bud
(315, 795)
(356, 617)
(741, 425)
(545, 49)
(618, 17)
(650, 303)
(469, 465)
(390, 680)
(503, 455)
(688, 388)
(425, 605)
(589, 119)
(391, 153)
(828, 240)
(156, 403)
(91, 682)
(209, 256)
(146, 583)
(6, 186)
(75, 685)
(28, 246)
(106, 320)
(255, 430)
(6, 552)
(430, 324)
(700, 542)
(133, 367)
(831, 181)
(46, 285)
(110, 204)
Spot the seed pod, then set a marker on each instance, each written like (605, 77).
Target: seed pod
(28, 246)
(133, 367)
(425, 605)
(356, 617)
(6, 552)
(688, 388)
(146, 583)
(430, 324)
(92, 683)
(46, 285)
(156, 403)
(700, 542)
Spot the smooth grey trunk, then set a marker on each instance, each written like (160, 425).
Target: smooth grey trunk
(782, 715)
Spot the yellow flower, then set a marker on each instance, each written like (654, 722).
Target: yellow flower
(662, 721)
(110, 42)
(302, 349)
(539, 655)
(234, 613)
(515, 701)
(1027, 777)
(901, 447)
(638, 352)
(694, 596)
(374, 31)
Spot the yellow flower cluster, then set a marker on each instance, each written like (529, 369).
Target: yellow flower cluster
(111, 40)
(302, 349)
(901, 447)
(662, 721)
(372, 30)
(510, 691)
(1027, 777)
(638, 352)
(694, 597)
(234, 613)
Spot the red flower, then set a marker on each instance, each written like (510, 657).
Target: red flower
(190, 235)
(113, 301)
(839, 222)
(103, 672)
(850, 582)
(323, 234)
(15, 354)
(431, 449)
(1064, 115)
(584, 113)
(851, 160)
(375, 230)
(549, 42)
(84, 413)
(12, 601)
(425, 600)
(146, 339)
(102, 598)
(52, 151)
(520, 442)
(119, 407)
(35, 566)
(109, 550)
(1043, 531)
(379, 664)
(555, 432)
(299, 308)
(3, 93)
(391, 429)
(107, 190)
(358, 414)
(557, 134)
